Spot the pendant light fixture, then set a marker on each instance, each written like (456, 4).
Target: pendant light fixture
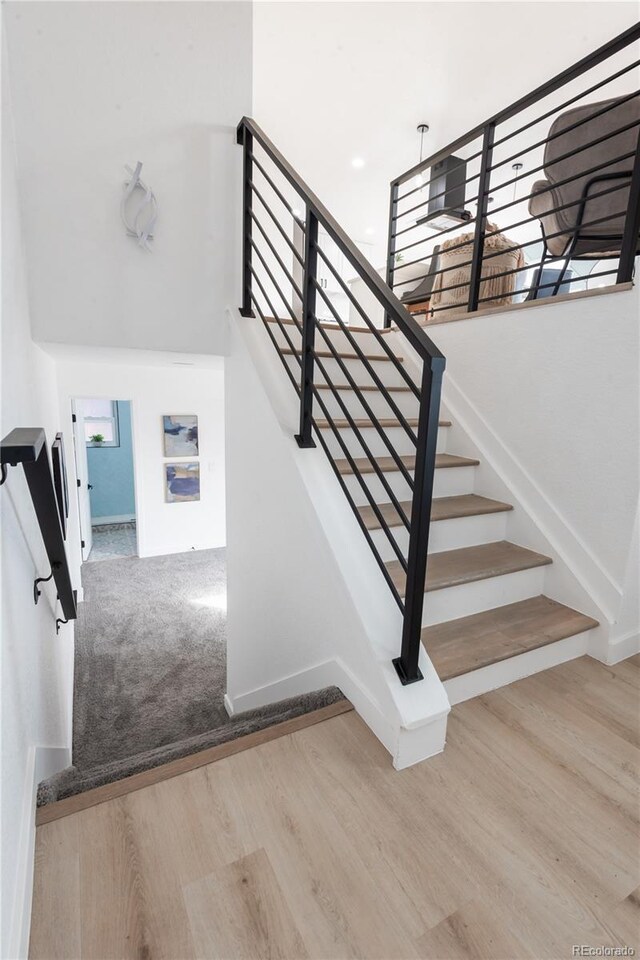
(422, 128)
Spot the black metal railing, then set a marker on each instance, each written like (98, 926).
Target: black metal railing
(527, 205)
(27, 445)
(285, 279)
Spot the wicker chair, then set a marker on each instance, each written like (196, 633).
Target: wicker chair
(454, 259)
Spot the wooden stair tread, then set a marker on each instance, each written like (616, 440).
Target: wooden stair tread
(326, 354)
(329, 325)
(468, 564)
(442, 508)
(383, 421)
(388, 464)
(460, 646)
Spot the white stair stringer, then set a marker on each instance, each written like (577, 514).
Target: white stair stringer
(307, 603)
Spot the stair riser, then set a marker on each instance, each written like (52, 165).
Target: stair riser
(467, 598)
(399, 439)
(387, 373)
(478, 682)
(447, 534)
(449, 482)
(368, 343)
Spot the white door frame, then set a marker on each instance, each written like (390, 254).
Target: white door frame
(77, 423)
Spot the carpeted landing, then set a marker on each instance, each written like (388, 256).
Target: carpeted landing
(150, 670)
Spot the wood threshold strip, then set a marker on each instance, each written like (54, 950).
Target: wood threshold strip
(146, 778)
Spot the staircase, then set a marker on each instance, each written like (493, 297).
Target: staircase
(484, 595)
(369, 395)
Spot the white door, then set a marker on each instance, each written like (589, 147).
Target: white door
(82, 476)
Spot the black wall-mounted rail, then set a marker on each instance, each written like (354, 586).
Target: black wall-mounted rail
(496, 159)
(27, 445)
(270, 289)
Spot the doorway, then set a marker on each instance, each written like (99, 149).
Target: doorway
(103, 448)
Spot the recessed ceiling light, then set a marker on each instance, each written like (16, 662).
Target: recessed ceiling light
(357, 162)
(182, 363)
(369, 231)
(297, 213)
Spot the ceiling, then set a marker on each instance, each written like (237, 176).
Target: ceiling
(338, 81)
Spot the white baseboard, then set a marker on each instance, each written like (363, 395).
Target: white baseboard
(623, 647)
(41, 762)
(500, 674)
(313, 678)
(406, 746)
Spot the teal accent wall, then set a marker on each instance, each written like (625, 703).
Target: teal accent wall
(111, 472)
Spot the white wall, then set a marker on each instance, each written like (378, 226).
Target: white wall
(551, 394)
(337, 80)
(158, 384)
(98, 85)
(37, 665)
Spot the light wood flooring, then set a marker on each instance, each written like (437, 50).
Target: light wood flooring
(520, 840)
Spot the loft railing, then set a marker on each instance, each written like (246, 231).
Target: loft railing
(286, 273)
(27, 445)
(528, 204)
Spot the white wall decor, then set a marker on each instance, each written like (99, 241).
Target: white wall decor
(138, 208)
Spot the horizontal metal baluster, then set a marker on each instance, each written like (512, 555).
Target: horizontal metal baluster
(435, 236)
(411, 329)
(374, 420)
(380, 473)
(567, 156)
(576, 70)
(359, 518)
(275, 343)
(530, 266)
(436, 196)
(275, 284)
(428, 163)
(542, 286)
(277, 319)
(383, 389)
(365, 489)
(567, 103)
(279, 259)
(278, 192)
(380, 337)
(336, 430)
(529, 219)
(561, 133)
(277, 223)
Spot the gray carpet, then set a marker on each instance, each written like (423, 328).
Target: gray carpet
(150, 670)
